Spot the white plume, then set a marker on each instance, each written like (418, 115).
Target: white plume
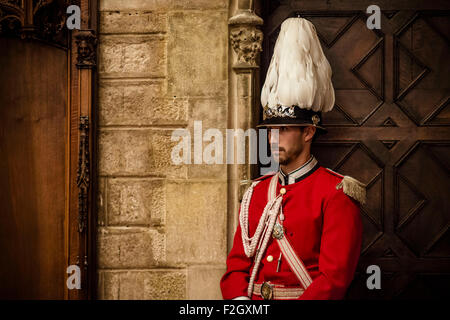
(299, 73)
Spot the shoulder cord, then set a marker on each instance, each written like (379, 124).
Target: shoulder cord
(248, 243)
(262, 233)
(273, 212)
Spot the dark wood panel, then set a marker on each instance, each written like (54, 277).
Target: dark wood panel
(33, 93)
(390, 128)
(47, 146)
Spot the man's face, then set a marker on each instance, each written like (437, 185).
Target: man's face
(290, 145)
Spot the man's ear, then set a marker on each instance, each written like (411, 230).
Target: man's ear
(308, 133)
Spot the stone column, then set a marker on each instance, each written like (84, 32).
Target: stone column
(245, 41)
(162, 226)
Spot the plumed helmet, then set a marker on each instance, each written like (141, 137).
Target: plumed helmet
(298, 84)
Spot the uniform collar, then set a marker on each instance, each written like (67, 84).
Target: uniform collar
(300, 173)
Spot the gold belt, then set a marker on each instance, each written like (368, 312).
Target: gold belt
(269, 291)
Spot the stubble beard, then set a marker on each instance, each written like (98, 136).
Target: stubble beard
(285, 158)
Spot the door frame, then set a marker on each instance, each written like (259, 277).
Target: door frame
(82, 165)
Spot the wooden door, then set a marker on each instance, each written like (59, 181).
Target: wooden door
(390, 128)
(46, 207)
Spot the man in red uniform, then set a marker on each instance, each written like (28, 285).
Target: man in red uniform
(300, 230)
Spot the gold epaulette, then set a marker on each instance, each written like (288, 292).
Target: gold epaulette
(353, 188)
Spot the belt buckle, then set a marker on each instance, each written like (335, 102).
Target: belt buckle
(267, 291)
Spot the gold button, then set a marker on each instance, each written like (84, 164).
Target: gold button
(269, 258)
(282, 190)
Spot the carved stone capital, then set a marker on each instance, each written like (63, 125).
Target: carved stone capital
(246, 42)
(246, 38)
(86, 42)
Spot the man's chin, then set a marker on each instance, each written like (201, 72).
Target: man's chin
(282, 160)
(279, 158)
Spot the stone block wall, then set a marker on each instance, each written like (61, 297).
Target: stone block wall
(161, 227)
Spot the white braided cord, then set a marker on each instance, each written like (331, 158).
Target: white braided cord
(248, 243)
(258, 242)
(275, 205)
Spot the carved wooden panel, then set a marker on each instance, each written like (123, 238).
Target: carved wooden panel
(390, 128)
(421, 68)
(47, 134)
(32, 166)
(36, 19)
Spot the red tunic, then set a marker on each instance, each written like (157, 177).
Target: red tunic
(323, 226)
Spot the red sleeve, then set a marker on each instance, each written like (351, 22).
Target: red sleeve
(234, 282)
(339, 249)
